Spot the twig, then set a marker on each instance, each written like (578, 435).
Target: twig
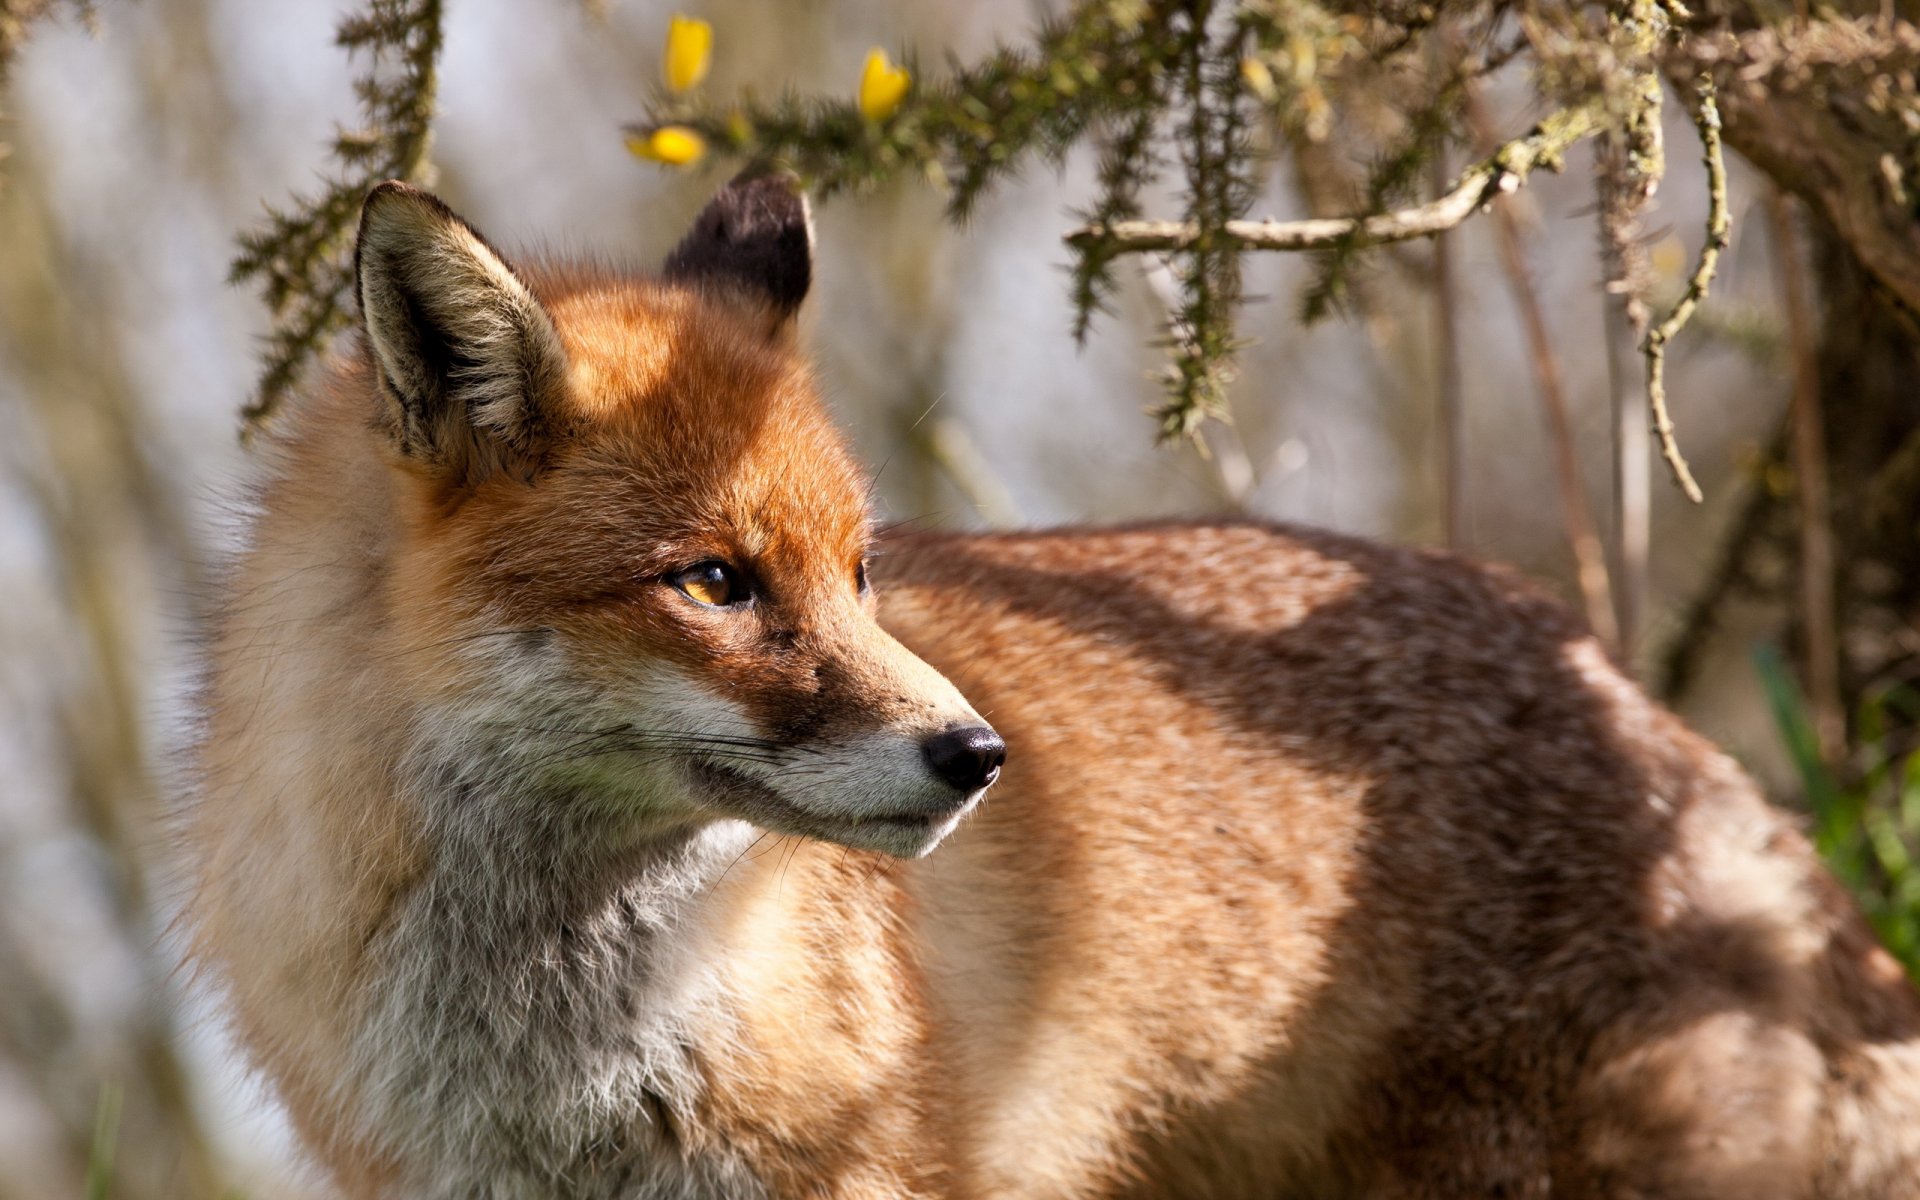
(1589, 558)
(1680, 661)
(1630, 164)
(1631, 530)
(1220, 445)
(949, 445)
(1503, 172)
(1445, 299)
(1706, 119)
(1895, 477)
(1810, 493)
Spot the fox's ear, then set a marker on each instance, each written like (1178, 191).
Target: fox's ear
(755, 237)
(468, 360)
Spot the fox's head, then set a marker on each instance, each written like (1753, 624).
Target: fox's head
(631, 558)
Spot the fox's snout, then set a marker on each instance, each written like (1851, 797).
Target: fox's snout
(969, 757)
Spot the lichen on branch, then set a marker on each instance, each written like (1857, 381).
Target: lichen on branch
(1706, 118)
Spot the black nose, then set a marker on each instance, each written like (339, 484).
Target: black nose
(968, 757)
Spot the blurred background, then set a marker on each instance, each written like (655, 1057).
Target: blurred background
(140, 148)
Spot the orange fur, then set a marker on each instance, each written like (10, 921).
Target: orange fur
(1316, 868)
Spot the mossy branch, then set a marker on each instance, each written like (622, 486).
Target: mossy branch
(302, 257)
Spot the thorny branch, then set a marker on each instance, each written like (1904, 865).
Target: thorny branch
(1215, 158)
(302, 257)
(1155, 83)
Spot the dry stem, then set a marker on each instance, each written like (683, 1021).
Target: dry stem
(1810, 493)
(1451, 406)
(1589, 557)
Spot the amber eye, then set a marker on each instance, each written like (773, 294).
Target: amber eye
(712, 583)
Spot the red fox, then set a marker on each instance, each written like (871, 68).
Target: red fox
(591, 804)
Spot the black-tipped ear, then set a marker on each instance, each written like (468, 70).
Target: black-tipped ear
(756, 236)
(468, 361)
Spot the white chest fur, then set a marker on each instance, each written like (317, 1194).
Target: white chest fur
(535, 1003)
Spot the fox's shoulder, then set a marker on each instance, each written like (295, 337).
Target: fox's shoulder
(1374, 653)
(1241, 576)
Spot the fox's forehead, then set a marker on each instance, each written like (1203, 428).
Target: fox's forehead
(631, 343)
(691, 414)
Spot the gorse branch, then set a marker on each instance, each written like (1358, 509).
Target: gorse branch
(1216, 161)
(301, 257)
(1099, 62)
(1159, 88)
(1127, 163)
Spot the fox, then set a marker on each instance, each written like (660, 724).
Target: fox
(592, 801)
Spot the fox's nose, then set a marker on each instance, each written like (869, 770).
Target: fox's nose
(968, 757)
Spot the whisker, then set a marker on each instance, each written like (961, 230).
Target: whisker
(764, 835)
(662, 736)
(781, 887)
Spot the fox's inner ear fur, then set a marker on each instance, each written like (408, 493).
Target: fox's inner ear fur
(468, 360)
(755, 238)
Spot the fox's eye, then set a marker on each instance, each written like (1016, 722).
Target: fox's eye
(712, 583)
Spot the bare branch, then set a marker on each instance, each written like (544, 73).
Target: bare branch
(950, 445)
(1501, 173)
(1706, 118)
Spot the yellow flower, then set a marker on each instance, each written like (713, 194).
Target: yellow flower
(689, 52)
(882, 86)
(1259, 80)
(675, 145)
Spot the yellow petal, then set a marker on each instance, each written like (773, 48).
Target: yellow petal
(1259, 79)
(882, 86)
(675, 145)
(689, 52)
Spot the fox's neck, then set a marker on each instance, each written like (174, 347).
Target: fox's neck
(541, 994)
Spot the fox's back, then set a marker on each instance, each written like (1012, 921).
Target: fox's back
(1347, 863)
